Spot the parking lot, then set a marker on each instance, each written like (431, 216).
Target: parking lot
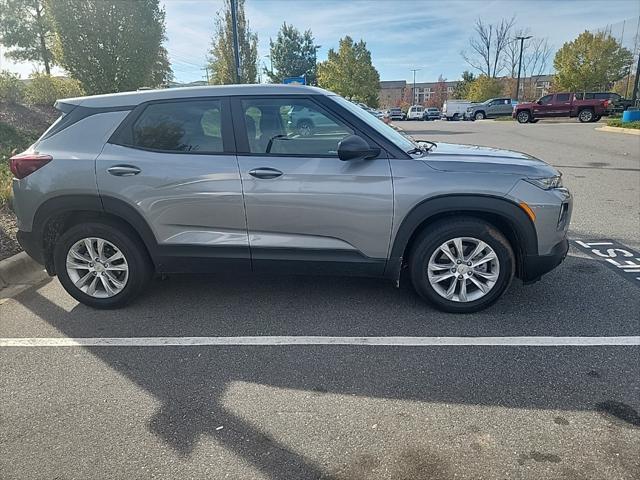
(434, 405)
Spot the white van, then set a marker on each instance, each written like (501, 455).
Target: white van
(455, 109)
(415, 112)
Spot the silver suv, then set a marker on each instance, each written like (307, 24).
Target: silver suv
(220, 179)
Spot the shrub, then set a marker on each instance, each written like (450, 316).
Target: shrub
(10, 87)
(45, 90)
(617, 122)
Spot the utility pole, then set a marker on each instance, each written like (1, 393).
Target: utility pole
(522, 39)
(236, 46)
(414, 70)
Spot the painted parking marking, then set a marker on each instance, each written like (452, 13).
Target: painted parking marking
(615, 255)
(528, 341)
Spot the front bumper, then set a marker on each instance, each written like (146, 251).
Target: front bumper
(32, 245)
(534, 266)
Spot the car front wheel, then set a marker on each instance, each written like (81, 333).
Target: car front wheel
(462, 265)
(523, 117)
(101, 264)
(479, 116)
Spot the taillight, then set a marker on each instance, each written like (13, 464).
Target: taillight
(25, 164)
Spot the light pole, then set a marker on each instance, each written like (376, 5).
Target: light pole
(414, 70)
(522, 39)
(270, 66)
(236, 48)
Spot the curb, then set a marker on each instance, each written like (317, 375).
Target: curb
(628, 131)
(19, 272)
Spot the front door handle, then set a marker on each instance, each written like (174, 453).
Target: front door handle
(265, 172)
(123, 170)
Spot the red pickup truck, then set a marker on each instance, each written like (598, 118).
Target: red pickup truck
(561, 105)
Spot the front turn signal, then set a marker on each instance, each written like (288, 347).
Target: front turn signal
(528, 211)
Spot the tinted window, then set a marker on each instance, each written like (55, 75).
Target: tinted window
(292, 127)
(562, 97)
(193, 126)
(546, 99)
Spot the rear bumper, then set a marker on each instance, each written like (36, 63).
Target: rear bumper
(534, 266)
(30, 244)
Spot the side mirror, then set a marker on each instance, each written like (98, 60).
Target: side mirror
(539, 102)
(354, 147)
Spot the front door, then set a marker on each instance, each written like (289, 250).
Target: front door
(173, 163)
(307, 210)
(544, 107)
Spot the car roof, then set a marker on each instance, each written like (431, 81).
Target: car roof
(126, 99)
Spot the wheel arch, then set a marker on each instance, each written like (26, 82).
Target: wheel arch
(58, 214)
(503, 214)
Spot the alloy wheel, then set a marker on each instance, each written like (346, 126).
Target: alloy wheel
(463, 269)
(97, 267)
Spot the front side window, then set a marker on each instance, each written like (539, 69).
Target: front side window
(546, 99)
(284, 126)
(189, 126)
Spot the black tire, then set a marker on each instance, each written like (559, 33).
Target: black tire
(524, 116)
(586, 115)
(479, 116)
(456, 117)
(139, 263)
(305, 128)
(437, 234)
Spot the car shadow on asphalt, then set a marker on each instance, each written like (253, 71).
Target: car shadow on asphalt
(190, 382)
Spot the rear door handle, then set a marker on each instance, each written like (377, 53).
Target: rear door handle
(123, 170)
(265, 172)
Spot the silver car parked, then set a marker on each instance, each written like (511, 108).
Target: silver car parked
(225, 179)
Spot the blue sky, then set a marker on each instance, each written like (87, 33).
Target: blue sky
(401, 35)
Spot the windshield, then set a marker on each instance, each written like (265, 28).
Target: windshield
(402, 141)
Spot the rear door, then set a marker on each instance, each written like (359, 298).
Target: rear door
(173, 164)
(307, 210)
(562, 105)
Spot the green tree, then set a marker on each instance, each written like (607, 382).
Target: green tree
(591, 61)
(461, 90)
(110, 45)
(484, 88)
(350, 73)
(26, 31)
(222, 62)
(292, 54)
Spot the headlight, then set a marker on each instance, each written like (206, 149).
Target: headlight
(546, 183)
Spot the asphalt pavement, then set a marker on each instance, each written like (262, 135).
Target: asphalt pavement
(348, 412)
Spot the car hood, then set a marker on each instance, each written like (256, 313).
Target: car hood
(471, 158)
(526, 104)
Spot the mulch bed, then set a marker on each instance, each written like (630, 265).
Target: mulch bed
(8, 243)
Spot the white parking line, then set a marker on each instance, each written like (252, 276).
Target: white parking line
(304, 340)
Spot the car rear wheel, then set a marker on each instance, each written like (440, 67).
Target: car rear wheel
(101, 264)
(462, 265)
(523, 117)
(586, 115)
(479, 116)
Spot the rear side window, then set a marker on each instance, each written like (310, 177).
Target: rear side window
(193, 126)
(562, 97)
